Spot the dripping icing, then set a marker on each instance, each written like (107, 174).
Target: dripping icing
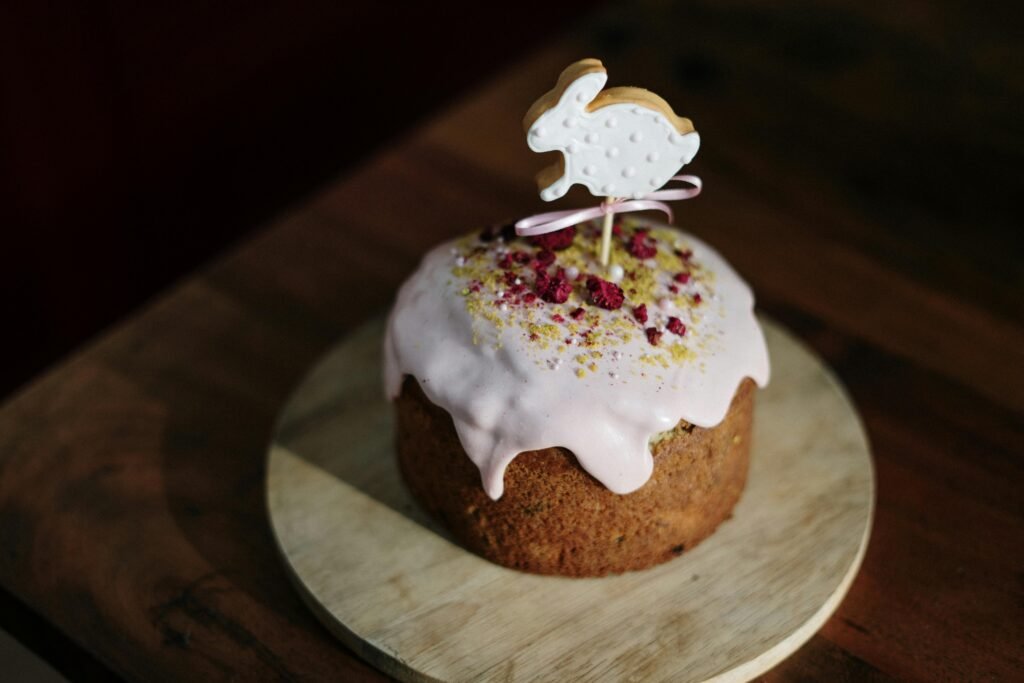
(519, 373)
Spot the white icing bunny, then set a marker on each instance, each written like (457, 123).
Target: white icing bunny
(620, 142)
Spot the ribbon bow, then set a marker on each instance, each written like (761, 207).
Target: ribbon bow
(556, 220)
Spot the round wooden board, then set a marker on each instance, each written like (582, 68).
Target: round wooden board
(395, 588)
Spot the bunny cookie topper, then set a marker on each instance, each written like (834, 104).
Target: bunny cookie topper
(620, 142)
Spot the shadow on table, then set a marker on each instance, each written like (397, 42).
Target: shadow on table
(214, 449)
(339, 420)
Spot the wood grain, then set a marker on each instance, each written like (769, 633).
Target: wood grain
(396, 589)
(131, 476)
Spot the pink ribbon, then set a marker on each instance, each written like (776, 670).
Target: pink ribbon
(556, 220)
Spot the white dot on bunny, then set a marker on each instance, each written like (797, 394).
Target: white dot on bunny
(621, 142)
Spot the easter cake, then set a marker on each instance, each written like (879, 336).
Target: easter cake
(574, 393)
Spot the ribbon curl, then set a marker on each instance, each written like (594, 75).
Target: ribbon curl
(542, 223)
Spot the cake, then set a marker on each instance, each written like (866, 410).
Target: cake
(575, 396)
(563, 416)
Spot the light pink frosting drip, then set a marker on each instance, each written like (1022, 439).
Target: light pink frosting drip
(504, 399)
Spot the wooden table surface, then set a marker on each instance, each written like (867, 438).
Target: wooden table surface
(862, 168)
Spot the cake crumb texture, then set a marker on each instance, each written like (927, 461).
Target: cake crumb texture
(553, 517)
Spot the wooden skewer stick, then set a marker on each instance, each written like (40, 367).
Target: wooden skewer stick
(606, 233)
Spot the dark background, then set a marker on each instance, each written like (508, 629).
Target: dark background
(138, 139)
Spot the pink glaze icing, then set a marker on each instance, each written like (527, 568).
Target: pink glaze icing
(518, 373)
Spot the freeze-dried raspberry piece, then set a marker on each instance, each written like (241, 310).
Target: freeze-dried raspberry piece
(653, 335)
(578, 313)
(640, 246)
(553, 288)
(557, 240)
(514, 284)
(510, 259)
(545, 258)
(682, 278)
(676, 326)
(640, 313)
(604, 294)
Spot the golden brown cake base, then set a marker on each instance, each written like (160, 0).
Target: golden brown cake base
(554, 518)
